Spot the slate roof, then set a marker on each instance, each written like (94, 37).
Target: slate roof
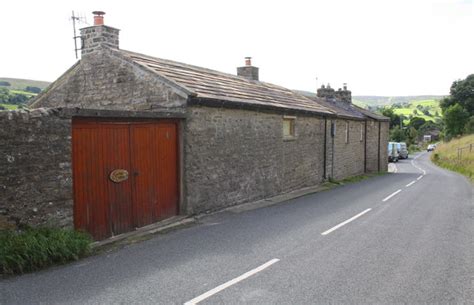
(340, 108)
(209, 84)
(371, 114)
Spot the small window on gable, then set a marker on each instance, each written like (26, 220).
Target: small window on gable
(289, 127)
(361, 132)
(347, 132)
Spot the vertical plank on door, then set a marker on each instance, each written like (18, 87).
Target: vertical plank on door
(144, 163)
(91, 212)
(167, 168)
(115, 144)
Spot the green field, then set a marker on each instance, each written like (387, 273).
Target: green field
(431, 105)
(9, 107)
(13, 94)
(380, 101)
(29, 94)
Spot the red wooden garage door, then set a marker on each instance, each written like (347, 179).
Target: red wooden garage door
(124, 174)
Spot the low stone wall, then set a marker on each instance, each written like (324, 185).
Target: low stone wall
(35, 168)
(234, 156)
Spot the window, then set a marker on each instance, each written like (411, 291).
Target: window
(361, 132)
(347, 132)
(289, 127)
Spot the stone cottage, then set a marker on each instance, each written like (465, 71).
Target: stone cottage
(122, 140)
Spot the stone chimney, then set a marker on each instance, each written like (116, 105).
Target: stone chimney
(344, 94)
(326, 92)
(248, 71)
(98, 35)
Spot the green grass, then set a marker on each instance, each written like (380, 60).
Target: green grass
(9, 106)
(29, 94)
(448, 155)
(34, 249)
(433, 108)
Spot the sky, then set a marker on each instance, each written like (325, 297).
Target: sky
(377, 47)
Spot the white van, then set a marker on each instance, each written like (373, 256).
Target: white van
(392, 152)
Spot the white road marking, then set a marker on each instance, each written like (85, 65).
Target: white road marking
(391, 195)
(231, 282)
(419, 177)
(345, 222)
(411, 183)
(415, 166)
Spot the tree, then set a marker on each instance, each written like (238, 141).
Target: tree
(397, 134)
(455, 118)
(412, 135)
(461, 92)
(394, 118)
(469, 127)
(33, 89)
(416, 122)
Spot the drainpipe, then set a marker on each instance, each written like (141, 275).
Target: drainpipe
(365, 147)
(325, 147)
(378, 151)
(332, 144)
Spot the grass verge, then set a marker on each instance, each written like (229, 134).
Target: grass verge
(456, 155)
(37, 248)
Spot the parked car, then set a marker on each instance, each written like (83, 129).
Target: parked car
(431, 147)
(392, 152)
(402, 150)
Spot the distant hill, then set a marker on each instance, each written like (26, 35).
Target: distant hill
(377, 101)
(21, 84)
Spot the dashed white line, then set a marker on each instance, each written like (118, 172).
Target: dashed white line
(419, 177)
(410, 184)
(415, 166)
(345, 222)
(231, 282)
(391, 195)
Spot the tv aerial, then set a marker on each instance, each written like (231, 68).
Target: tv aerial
(79, 19)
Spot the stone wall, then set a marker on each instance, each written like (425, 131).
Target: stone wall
(348, 157)
(384, 136)
(107, 81)
(35, 168)
(235, 156)
(372, 145)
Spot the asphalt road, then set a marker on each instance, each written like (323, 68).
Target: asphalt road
(362, 243)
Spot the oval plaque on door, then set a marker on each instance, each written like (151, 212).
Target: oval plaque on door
(118, 175)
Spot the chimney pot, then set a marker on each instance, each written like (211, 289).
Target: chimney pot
(98, 17)
(95, 37)
(248, 71)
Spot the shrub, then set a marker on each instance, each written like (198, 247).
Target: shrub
(33, 249)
